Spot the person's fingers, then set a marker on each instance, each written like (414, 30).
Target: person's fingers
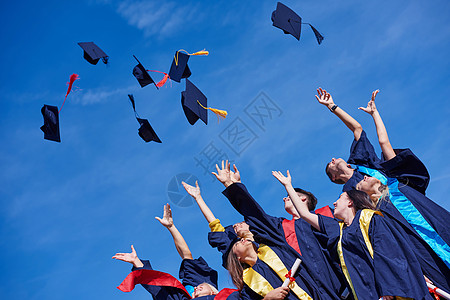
(157, 218)
(222, 164)
(132, 249)
(196, 183)
(217, 168)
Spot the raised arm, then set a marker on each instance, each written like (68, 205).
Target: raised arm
(178, 239)
(131, 258)
(383, 137)
(300, 204)
(325, 98)
(195, 193)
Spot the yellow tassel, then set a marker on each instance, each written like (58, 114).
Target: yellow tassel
(218, 112)
(201, 52)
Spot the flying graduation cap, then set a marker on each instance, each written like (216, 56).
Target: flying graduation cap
(291, 23)
(93, 53)
(194, 105)
(144, 78)
(51, 123)
(179, 68)
(51, 115)
(146, 131)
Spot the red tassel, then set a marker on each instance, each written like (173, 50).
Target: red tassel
(72, 79)
(163, 81)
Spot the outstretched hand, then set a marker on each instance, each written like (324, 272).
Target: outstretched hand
(284, 180)
(324, 98)
(235, 176)
(193, 191)
(371, 108)
(277, 294)
(223, 174)
(166, 220)
(131, 258)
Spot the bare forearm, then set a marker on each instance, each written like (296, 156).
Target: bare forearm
(383, 137)
(302, 208)
(349, 121)
(180, 243)
(207, 213)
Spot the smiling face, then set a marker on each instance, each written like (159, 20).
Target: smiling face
(241, 227)
(368, 185)
(341, 206)
(242, 249)
(202, 289)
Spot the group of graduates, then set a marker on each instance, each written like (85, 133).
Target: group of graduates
(384, 238)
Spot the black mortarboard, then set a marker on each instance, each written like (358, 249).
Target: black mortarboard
(179, 68)
(197, 271)
(141, 74)
(146, 131)
(291, 23)
(51, 123)
(92, 53)
(192, 100)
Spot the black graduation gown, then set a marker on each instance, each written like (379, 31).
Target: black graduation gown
(393, 270)
(413, 179)
(265, 231)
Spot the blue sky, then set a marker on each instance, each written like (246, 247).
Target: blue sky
(68, 207)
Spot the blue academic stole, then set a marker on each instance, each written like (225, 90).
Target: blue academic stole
(411, 214)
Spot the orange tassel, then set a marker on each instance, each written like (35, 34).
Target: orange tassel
(218, 112)
(163, 81)
(201, 52)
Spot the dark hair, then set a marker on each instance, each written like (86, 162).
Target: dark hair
(327, 170)
(312, 200)
(360, 200)
(235, 269)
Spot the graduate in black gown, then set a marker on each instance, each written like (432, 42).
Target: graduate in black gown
(261, 268)
(403, 179)
(198, 279)
(297, 233)
(376, 258)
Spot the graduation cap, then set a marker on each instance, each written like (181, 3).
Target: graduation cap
(51, 115)
(146, 131)
(92, 53)
(51, 123)
(194, 104)
(197, 271)
(291, 23)
(223, 241)
(179, 68)
(144, 78)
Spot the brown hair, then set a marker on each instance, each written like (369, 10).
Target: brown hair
(360, 200)
(312, 200)
(235, 269)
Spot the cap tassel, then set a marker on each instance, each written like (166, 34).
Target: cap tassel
(162, 81)
(219, 113)
(72, 79)
(201, 52)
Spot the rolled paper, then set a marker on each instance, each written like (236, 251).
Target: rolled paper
(292, 272)
(438, 291)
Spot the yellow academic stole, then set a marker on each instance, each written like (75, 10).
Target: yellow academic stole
(364, 223)
(260, 285)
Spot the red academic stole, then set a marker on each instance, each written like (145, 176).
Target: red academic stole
(151, 277)
(290, 235)
(324, 211)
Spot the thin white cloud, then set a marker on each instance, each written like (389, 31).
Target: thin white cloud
(94, 96)
(157, 18)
